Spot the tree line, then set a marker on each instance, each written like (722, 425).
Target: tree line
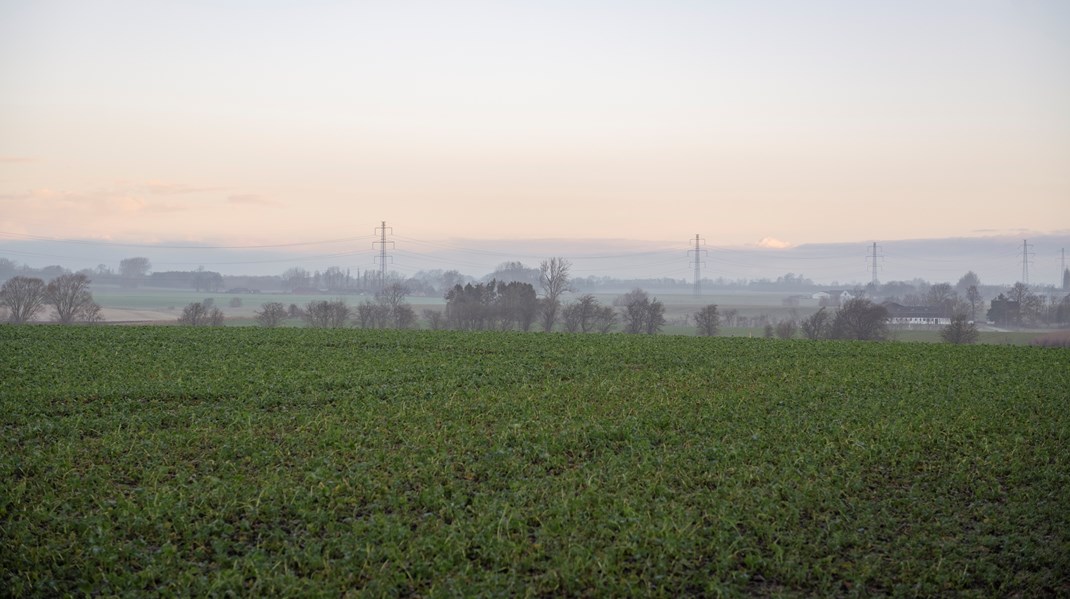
(23, 298)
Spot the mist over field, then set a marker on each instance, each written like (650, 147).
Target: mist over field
(996, 259)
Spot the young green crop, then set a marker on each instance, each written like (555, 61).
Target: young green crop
(296, 461)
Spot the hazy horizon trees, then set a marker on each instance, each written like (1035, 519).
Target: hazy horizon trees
(970, 279)
(553, 279)
(295, 278)
(133, 270)
(707, 321)
(70, 297)
(205, 280)
(23, 297)
(514, 271)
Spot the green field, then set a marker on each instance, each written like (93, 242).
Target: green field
(143, 460)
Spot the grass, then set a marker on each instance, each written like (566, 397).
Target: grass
(175, 460)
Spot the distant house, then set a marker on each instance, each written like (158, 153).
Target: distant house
(834, 297)
(915, 316)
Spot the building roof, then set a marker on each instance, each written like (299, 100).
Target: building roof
(900, 311)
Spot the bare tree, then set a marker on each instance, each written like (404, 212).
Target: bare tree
(655, 317)
(605, 319)
(1034, 308)
(215, 317)
(193, 314)
(201, 314)
(393, 295)
(707, 321)
(435, 320)
(730, 317)
(570, 317)
(24, 297)
(975, 299)
(860, 319)
(92, 313)
(581, 316)
(271, 314)
(942, 295)
(372, 315)
(327, 314)
(970, 279)
(553, 278)
(633, 310)
(392, 299)
(818, 325)
(69, 296)
(404, 317)
(640, 313)
(1018, 292)
(960, 331)
(132, 270)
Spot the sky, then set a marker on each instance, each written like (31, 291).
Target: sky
(756, 124)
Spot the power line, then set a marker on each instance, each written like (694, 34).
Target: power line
(178, 247)
(1025, 260)
(699, 253)
(874, 265)
(381, 230)
(1062, 270)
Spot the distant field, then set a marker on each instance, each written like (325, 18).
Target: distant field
(174, 460)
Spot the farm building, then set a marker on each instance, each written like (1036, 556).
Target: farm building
(915, 316)
(834, 297)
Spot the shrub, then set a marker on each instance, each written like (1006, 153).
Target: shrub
(960, 331)
(785, 329)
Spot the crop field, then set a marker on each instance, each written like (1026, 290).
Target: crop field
(142, 460)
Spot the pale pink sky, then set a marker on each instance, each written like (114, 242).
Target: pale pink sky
(277, 122)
